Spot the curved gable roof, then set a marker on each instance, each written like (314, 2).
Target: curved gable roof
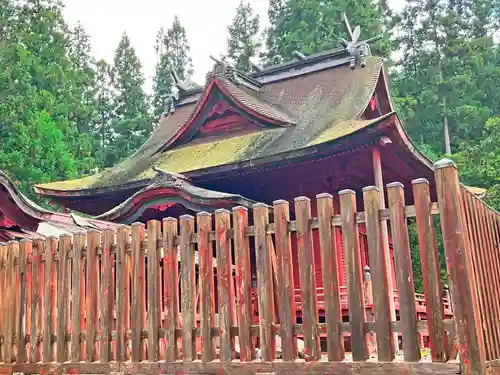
(325, 104)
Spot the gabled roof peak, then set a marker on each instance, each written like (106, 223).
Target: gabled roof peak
(224, 70)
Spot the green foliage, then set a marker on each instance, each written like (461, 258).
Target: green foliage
(311, 26)
(243, 42)
(132, 122)
(173, 52)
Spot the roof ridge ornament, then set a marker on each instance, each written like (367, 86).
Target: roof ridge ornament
(358, 50)
(179, 88)
(223, 69)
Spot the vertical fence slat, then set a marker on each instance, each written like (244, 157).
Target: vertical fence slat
(92, 293)
(16, 279)
(305, 252)
(24, 253)
(170, 285)
(480, 264)
(138, 279)
(63, 297)
(49, 294)
(9, 302)
(463, 286)
(188, 285)
(491, 282)
(77, 298)
(3, 296)
(243, 281)
(430, 269)
(333, 310)
(107, 296)
(404, 273)
(494, 271)
(379, 272)
(37, 302)
(29, 293)
(264, 283)
(207, 303)
(154, 234)
(353, 265)
(285, 277)
(122, 293)
(224, 283)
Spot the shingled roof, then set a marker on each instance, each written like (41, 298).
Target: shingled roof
(317, 100)
(22, 218)
(174, 189)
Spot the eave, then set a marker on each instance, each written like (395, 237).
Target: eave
(168, 188)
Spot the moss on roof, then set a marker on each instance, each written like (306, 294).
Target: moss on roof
(327, 105)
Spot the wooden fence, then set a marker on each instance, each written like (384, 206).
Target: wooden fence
(110, 302)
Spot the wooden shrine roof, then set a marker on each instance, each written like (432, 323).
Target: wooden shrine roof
(22, 218)
(168, 189)
(309, 102)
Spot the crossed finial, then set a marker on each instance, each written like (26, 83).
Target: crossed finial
(357, 49)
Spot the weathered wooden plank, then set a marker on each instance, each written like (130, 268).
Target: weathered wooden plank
(243, 281)
(354, 276)
(404, 273)
(430, 269)
(305, 252)
(328, 242)
(207, 295)
(154, 234)
(29, 292)
(264, 282)
(77, 298)
(459, 263)
(224, 283)
(237, 367)
(122, 293)
(188, 286)
(3, 297)
(92, 295)
(494, 270)
(107, 296)
(63, 297)
(379, 272)
(14, 306)
(170, 287)
(286, 281)
(479, 264)
(138, 280)
(24, 253)
(491, 287)
(49, 309)
(37, 301)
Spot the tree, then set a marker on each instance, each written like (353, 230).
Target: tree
(173, 52)
(38, 95)
(243, 42)
(132, 124)
(444, 72)
(103, 131)
(311, 26)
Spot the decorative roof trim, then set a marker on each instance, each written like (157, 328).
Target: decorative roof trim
(192, 197)
(215, 82)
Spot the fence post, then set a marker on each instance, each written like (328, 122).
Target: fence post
(460, 268)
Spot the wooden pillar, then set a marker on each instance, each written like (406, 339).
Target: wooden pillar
(379, 182)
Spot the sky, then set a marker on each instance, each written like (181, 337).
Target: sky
(205, 21)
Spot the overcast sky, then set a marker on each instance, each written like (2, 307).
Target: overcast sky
(205, 21)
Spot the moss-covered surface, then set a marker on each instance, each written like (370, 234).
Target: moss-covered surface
(326, 104)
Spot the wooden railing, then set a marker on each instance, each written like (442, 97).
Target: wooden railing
(110, 302)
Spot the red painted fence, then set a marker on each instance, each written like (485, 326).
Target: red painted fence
(119, 302)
